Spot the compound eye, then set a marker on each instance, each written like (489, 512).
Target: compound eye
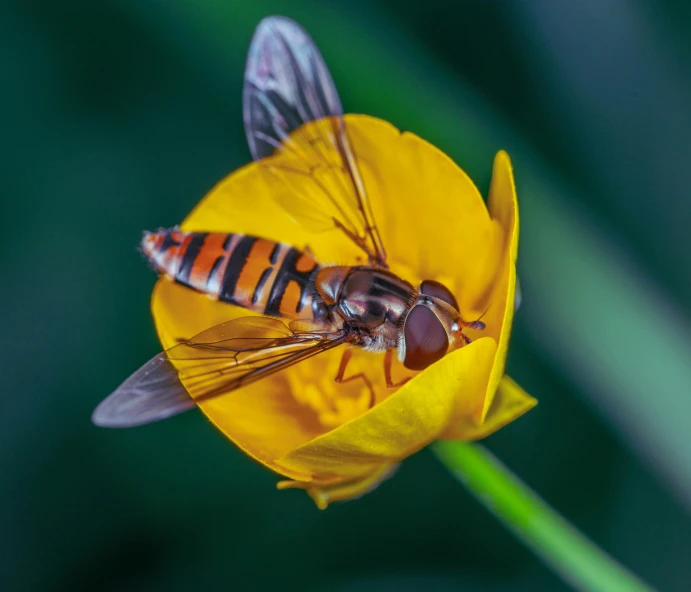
(437, 290)
(425, 338)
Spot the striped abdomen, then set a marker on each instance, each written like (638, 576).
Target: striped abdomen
(260, 275)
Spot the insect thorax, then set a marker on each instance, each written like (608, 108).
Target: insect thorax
(371, 300)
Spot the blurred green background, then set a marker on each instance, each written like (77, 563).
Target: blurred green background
(119, 115)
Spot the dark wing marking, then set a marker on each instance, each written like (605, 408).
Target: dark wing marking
(213, 363)
(294, 119)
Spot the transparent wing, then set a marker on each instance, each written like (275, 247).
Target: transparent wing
(213, 363)
(287, 84)
(294, 124)
(152, 393)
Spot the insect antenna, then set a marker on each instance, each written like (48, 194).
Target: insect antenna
(477, 324)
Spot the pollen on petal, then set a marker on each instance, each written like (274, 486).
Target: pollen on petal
(314, 385)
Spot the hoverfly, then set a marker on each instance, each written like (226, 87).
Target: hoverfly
(289, 102)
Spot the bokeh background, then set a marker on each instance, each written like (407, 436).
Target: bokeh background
(119, 115)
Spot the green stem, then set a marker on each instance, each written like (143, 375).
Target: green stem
(563, 548)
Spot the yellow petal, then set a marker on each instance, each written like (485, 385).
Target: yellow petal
(432, 218)
(324, 494)
(408, 420)
(244, 203)
(502, 202)
(263, 419)
(503, 207)
(509, 403)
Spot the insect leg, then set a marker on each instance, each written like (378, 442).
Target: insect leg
(388, 362)
(347, 355)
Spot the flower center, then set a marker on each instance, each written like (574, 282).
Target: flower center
(313, 384)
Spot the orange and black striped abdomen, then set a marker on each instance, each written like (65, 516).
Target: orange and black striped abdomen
(260, 275)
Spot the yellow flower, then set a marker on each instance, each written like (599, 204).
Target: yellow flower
(323, 436)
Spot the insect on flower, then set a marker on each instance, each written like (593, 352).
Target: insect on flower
(280, 280)
(305, 307)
